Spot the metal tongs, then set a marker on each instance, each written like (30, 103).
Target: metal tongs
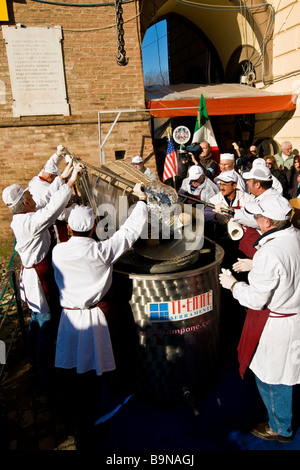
(228, 210)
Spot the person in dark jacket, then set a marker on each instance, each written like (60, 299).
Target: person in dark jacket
(279, 174)
(293, 178)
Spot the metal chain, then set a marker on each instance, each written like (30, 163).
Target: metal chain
(121, 57)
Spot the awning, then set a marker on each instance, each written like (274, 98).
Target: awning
(166, 101)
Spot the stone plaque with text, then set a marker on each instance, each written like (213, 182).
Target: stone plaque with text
(36, 70)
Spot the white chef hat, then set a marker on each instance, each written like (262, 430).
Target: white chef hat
(227, 176)
(195, 171)
(50, 167)
(81, 219)
(259, 172)
(227, 156)
(274, 207)
(12, 194)
(137, 159)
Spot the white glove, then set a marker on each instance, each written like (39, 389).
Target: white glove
(60, 150)
(68, 158)
(137, 191)
(242, 265)
(227, 279)
(68, 170)
(76, 170)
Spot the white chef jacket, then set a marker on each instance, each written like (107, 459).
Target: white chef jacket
(274, 283)
(32, 244)
(240, 182)
(42, 191)
(83, 272)
(205, 191)
(240, 199)
(83, 267)
(56, 159)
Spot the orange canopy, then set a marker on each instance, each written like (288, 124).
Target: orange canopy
(166, 101)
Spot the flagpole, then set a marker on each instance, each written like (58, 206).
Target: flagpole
(174, 185)
(171, 164)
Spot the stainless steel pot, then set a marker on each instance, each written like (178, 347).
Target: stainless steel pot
(177, 322)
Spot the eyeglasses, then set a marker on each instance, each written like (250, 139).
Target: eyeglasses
(221, 183)
(269, 163)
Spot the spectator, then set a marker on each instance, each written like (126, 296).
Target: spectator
(209, 165)
(139, 164)
(245, 161)
(279, 178)
(198, 154)
(293, 175)
(284, 158)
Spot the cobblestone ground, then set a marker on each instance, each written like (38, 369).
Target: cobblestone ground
(29, 418)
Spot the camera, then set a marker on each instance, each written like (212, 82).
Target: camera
(185, 157)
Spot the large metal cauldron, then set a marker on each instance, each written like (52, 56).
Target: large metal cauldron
(175, 302)
(177, 320)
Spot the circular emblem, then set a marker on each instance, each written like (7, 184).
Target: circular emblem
(181, 134)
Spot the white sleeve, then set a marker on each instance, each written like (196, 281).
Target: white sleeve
(263, 280)
(122, 240)
(56, 159)
(46, 216)
(243, 218)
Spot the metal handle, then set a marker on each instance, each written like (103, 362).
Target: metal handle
(192, 198)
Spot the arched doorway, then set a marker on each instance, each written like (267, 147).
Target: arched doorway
(180, 53)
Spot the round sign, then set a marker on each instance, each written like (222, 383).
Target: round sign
(181, 134)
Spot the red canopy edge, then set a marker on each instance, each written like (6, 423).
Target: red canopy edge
(221, 106)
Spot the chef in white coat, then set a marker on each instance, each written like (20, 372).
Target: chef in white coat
(37, 285)
(93, 333)
(229, 194)
(46, 183)
(197, 185)
(83, 272)
(260, 186)
(227, 163)
(269, 343)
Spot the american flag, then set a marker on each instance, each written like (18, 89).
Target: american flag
(171, 165)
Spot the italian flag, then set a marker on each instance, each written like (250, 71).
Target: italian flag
(203, 130)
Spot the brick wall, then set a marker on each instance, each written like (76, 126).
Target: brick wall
(94, 82)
